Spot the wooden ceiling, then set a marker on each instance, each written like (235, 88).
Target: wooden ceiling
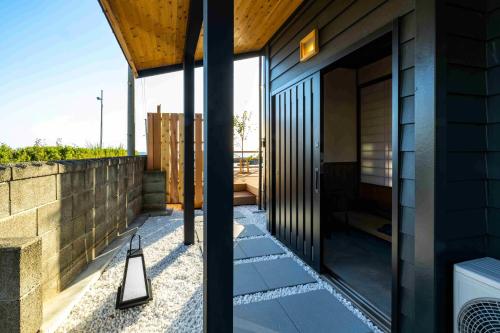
(151, 33)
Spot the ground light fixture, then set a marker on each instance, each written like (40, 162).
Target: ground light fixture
(136, 287)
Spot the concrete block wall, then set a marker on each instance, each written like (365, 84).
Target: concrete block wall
(76, 208)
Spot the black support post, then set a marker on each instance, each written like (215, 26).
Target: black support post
(188, 150)
(218, 166)
(192, 33)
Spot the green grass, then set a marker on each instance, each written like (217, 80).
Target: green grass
(39, 152)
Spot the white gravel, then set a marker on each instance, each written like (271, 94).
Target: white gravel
(176, 273)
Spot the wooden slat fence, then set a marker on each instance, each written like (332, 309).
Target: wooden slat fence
(165, 148)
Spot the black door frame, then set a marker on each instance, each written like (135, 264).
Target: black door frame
(380, 319)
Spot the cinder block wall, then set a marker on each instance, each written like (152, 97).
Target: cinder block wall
(76, 207)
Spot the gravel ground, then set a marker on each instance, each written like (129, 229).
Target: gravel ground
(176, 273)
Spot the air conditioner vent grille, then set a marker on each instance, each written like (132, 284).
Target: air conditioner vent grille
(480, 315)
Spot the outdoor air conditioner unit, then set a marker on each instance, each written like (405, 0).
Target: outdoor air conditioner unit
(476, 295)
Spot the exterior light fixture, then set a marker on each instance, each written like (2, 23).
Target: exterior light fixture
(136, 287)
(309, 46)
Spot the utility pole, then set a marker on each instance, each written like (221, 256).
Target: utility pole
(131, 114)
(100, 99)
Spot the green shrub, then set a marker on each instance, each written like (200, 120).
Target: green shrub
(40, 152)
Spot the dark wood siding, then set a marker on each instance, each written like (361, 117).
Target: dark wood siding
(406, 242)
(297, 114)
(458, 229)
(493, 126)
(341, 24)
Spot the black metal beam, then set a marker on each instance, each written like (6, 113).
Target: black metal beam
(218, 16)
(198, 63)
(194, 22)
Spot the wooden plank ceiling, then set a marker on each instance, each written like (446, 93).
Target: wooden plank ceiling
(151, 33)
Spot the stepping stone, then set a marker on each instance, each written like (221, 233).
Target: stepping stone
(315, 311)
(247, 280)
(283, 272)
(318, 311)
(250, 230)
(258, 247)
(256, 277)
(267, 316)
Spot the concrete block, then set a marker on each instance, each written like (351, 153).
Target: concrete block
(99, 215)
(154, 199)
(83, 202)
(154, 177)
(112, 173)
(154, 187)
(33, 169)
(64, 188)
(22, 315)
(72, 166)
(4, 200)
(20, 266)
(49, 216)
(51, 242)
(50, 288)
(19, 225)
(78, 182)
(89, 178)
(101, 175)
(66, 233)
(33, 192)
(112, 190)
(5, 173)
(79, 226)
(65, 257)
(79, 247)
(90, 220)
(69, 274)
(50, 268)
(66, 209)
(100, 195)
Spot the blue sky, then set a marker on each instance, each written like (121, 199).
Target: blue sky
(56, 55)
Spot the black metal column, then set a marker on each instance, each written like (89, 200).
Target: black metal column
(188, 150)
(195, 17)
(218, 166)
(131, 113)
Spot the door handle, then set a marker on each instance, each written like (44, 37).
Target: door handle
(316, 180)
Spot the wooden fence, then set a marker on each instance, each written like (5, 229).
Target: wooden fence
(165, 148)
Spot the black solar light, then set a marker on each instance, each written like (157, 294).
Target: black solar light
(136, 287)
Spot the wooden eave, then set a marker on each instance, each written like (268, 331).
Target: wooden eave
(151, 33)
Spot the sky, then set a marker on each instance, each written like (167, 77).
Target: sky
(56, 56)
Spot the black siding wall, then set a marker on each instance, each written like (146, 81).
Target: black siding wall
(464, 138)
(493, 126)
(405, 312)
(341, 24)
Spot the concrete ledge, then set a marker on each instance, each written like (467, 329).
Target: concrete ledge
(20, 286)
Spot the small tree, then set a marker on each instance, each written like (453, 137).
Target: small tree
(241, 125)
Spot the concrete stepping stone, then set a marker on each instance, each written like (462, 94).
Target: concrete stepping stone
(316, 312)
(267, 316)
(250, 230)
(319, 311)
(283, 272)
(257, 247)
(260, 276)
(247, 280)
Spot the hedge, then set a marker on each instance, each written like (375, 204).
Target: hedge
(55, 153)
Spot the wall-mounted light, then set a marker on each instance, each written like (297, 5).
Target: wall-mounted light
(309, 46)
(136, 287)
